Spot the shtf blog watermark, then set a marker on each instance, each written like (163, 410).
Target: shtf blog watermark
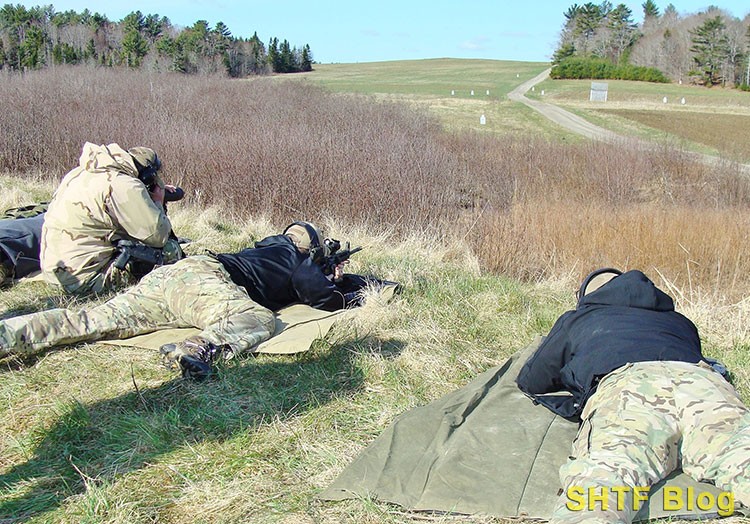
(673, 499)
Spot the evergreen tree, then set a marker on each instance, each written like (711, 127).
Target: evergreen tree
(90, 52)
(710, 49)
(588, 20)
(572, 12)
(222, 30)
(623, 31)
(306, 59)
(221, 36)
(650, 10)
(32, 48)
(258, 54)
(27, 38)
(286, 58)
(563, 52)
(135, 47)
(274, 57)
(154, 26)
(135, 21)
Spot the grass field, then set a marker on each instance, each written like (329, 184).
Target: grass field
(443, 87)
(711, 120)
(97, 433)
(516, 211)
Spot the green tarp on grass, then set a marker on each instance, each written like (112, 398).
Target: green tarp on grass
(484, 449)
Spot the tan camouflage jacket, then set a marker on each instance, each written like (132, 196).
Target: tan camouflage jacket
(99, 202)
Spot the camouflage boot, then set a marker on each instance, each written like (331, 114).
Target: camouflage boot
(194, 355)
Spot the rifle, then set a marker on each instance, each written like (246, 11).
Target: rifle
(337, 255)
(138, 252)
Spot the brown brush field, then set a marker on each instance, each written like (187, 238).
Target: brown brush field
(291, 149)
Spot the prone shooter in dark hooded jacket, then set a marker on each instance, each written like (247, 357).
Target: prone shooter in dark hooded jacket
(627, 320)
(631, 368)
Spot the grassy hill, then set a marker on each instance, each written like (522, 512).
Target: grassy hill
(443, 87)
(104, 434)
(712, 121)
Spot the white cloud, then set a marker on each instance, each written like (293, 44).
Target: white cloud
(475, 44)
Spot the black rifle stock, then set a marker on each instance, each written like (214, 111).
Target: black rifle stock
(129, 249)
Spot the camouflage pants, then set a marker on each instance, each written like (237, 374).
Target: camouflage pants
(646, 420)
(106, 278)
(194, 292)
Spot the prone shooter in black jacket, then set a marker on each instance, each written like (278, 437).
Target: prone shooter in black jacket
(627, 320)
(631, 368)
(229, 297)
(285, 269)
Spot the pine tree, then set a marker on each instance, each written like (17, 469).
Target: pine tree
(650, 10)
(274, 57)
(286, 58)
(623, 31)
(710, 49)
(306, 60)
(135, 48)
(587, 22)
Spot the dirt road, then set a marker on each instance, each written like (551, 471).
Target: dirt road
(559, 115)
(583, 127)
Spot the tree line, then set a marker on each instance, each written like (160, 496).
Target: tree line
(709, 48)
(37, 37)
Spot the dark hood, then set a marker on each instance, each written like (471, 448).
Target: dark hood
(631, 289)
(275, 240)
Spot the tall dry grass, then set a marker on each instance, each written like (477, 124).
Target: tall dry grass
(284, 150)
(253, 147)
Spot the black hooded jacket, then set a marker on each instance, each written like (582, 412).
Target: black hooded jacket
(275, 274)
(20, 239)
(627, 320)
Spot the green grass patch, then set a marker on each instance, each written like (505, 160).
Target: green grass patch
(443, 87)
(433, 78)
(94, 433)
(722, 134)
(622, 91)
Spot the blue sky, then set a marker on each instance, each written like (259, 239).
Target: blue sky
(352, 31)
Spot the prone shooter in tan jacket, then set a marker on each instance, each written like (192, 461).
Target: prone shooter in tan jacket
(103, 200)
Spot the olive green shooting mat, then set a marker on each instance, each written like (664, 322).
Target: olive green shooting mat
(484, 449)
(297, 327)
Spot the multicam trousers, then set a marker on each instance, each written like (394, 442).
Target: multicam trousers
(194, 292)
(644, 421)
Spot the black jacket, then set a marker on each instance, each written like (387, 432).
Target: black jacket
(20, 243)
(627, 320)
(275, 274)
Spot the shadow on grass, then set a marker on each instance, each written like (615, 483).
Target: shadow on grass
(113, 437)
